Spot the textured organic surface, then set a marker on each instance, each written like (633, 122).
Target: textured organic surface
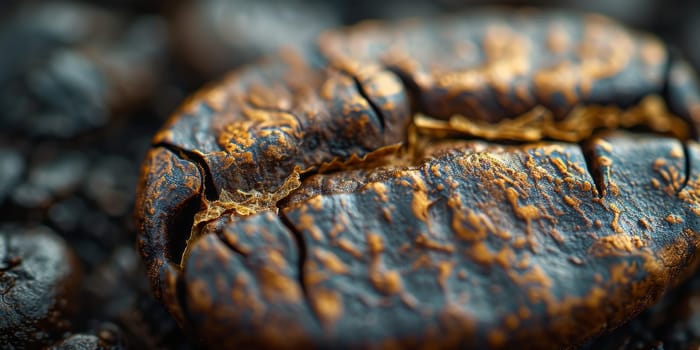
(39, 279)
(87, 342)
(348, 197)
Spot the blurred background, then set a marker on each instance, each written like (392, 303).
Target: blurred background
(85, 84)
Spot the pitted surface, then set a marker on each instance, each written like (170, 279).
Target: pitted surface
(39, 277)
(323, 212)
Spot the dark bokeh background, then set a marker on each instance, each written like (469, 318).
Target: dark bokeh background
(84, 85)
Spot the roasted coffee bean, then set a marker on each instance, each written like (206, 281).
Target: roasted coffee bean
(81, 342)
(87, 206)
(107, 338)
(39, 282)
(439, 183)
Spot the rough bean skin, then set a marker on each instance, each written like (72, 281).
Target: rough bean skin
(39, 279)
(315, 215)
(492, 66)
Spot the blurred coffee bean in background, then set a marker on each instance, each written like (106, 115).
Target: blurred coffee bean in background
(67, 67)
(215, 35)
(39, 285)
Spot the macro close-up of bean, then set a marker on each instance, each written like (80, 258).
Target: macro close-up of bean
(349, 174)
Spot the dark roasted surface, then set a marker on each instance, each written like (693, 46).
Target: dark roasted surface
(317, 213)
(85, 86)
(39, 279)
